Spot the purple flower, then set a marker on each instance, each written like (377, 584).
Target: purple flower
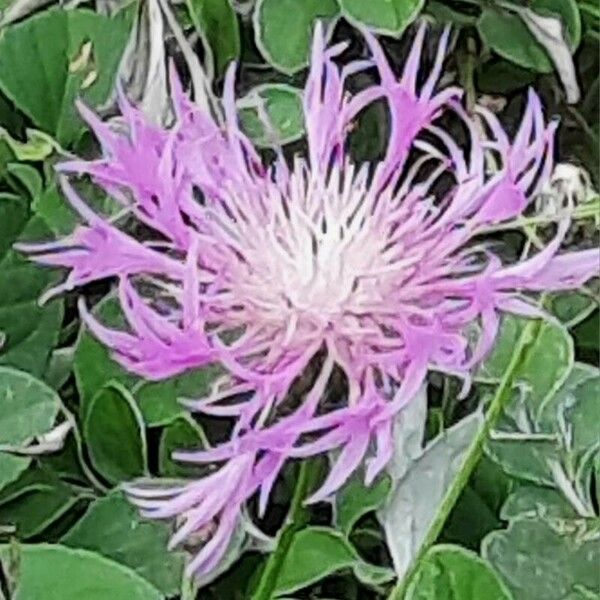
(303, 267)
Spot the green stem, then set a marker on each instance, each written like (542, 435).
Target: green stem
(297, 518)
(473, 453)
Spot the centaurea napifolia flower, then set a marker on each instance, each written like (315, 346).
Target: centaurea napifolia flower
(270, 269)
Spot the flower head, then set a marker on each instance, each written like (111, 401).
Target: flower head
(317, 262)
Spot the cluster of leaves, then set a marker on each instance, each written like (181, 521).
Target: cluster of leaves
(466, 511)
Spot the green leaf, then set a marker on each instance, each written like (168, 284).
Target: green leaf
(113, 430)
(540, 561)
(81, 61)
(507, 35)
(414, 502)
(582, 414)
(113, 527)
(158, 401)
(182, 434)
(30, 331)
(35, 501)
(389, 17)
(283, 29)
(27, 176)
(572, 307)
(317, 552)
(55, 211)
(546, 366)
(28, 407)
(531, 501)
(355, 500)
(449, 572)
(540, 442)
(272, 115)
(217, 21)
(11, 467)
(53, 572)
(567, 11)
(475, 513)
(93, 365)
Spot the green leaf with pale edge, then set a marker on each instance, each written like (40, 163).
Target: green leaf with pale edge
(283, 29)
(546, 366)
(11, 467)
(158, 401)
(217, 20)
(35, 501)
(28, 407)
(29, 330)
(53, 572)
(114, 528)
(182, 434)
(506, 33)
(543, 561)
(356, 499)
(43, 79)
(317, 552)
(389, 17)
(531, 501)
(113, 430)
(272, 114)
(450, 572)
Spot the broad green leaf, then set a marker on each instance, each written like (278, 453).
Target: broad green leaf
(475, 513)
(181, 434)
(541, 442)
(113, 527)
(93, 365)
(414, 501)
(506, 34)
(449, 572)
(355, 500)
(60, 365)
(29, 330)
(54, 572)
(271, 114)
(33, 502)
(572, 307)
(567, 11)
(582, 414)
(547, 364)
(28, 178)
(390, 17)
(283, 29)
(28, 407)
(44, 79)
(55, 211)
(543, 561)
(217, 21)
(38, 146)
(158, 401)
(11, 467)
(114, 433)
(317, 552)
(531, 501)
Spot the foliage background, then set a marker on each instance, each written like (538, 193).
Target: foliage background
(467, 511)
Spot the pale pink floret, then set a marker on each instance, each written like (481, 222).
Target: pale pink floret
(270, 270)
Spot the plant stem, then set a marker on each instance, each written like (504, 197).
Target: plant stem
(297, 518)
(473, 453)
